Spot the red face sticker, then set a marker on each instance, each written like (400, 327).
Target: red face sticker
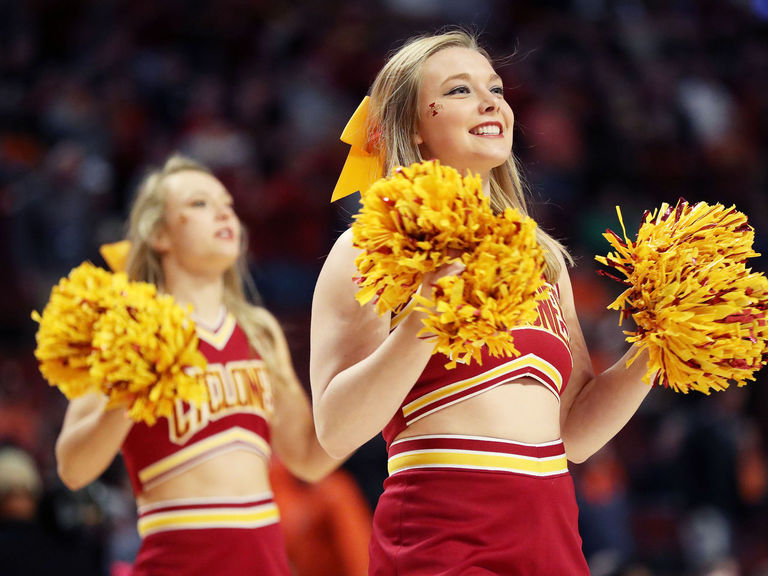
(434, 108)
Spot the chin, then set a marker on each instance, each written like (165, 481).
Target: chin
(484, 164)
(225, 262)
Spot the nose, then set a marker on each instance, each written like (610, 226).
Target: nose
(224, 211)
(488, 102)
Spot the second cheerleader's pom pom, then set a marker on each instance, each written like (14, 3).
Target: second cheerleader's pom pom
(698, 308)
(426, 216)
(101, 333)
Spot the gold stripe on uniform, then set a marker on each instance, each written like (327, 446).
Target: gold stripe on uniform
(398, 317)
(220, 337)
(478, 461)
(458, 387)
(235, 435)
(250, 517)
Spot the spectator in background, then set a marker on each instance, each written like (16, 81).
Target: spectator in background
(27, 548)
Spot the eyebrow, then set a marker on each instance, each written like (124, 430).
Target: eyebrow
(465, 76)
(193, 192)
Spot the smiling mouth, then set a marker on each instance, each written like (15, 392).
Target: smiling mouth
(487, 130)
(225, 233)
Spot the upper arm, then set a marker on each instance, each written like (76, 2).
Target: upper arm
(582, 371)
(342, 331)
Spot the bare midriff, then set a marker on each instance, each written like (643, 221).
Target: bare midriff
(232, 474)
(523, 411)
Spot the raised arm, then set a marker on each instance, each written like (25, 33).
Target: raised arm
(360, 372)
(90, 438)
(595, 407)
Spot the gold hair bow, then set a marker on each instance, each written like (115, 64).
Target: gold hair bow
(116, 254)
(362, 166)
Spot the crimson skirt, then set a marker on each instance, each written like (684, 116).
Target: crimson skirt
(211, 537)
(463, 506)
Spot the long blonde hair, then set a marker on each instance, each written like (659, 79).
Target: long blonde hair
(144, 264)
(393, 120)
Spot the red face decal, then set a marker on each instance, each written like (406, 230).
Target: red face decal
(434, 108)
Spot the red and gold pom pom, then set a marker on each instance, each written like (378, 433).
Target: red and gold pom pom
(698, 309)
(426, 216)
(65, 334)
(407, 225)
(101, 333)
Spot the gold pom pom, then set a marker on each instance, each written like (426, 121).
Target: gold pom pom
(426, 216)
(699, 310)
(66, 326)
(101, 333)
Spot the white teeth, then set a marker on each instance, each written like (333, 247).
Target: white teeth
(488, 130)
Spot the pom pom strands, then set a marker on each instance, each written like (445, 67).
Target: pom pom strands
(408, 224)
(426, 216)
(66, 326)
(101, 333)
(699, 311)
(480, 306)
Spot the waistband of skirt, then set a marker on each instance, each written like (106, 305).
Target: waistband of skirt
(246, 512)
(454, 452)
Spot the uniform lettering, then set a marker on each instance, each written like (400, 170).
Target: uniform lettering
(234, 387)
(551, 315)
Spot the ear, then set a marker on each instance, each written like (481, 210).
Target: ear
(418, 139)
(160, 241)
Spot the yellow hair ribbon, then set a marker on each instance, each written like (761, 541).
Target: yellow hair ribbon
(116, 254)
(362, 167)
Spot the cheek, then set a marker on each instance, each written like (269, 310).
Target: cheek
(184, 228)
(433, 109)
(510, 116)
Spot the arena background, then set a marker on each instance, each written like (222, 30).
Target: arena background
(617, 102)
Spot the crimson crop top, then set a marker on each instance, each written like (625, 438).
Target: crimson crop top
(236, 416)
(545, 356)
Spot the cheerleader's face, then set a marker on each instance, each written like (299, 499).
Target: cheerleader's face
(201, 232)
(464, 120)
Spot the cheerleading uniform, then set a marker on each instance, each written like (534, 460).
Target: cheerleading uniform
(221, 535)
(463, 505)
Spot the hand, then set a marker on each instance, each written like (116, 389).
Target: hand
(430, 279)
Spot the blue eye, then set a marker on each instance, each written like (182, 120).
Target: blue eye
(458, 90)
(498, 90)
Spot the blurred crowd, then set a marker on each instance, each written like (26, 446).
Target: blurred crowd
(617, 102)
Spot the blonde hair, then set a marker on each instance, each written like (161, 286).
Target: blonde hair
(393, 120)
(144, 263)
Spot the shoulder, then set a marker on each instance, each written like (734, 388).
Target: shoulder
(339, 267)
(344, 247)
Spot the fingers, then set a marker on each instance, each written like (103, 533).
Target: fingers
(430, 279)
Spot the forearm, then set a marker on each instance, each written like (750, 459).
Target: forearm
(360, 400)
(88, 445)
(603, 406)
(293, 433)
(313, 463)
